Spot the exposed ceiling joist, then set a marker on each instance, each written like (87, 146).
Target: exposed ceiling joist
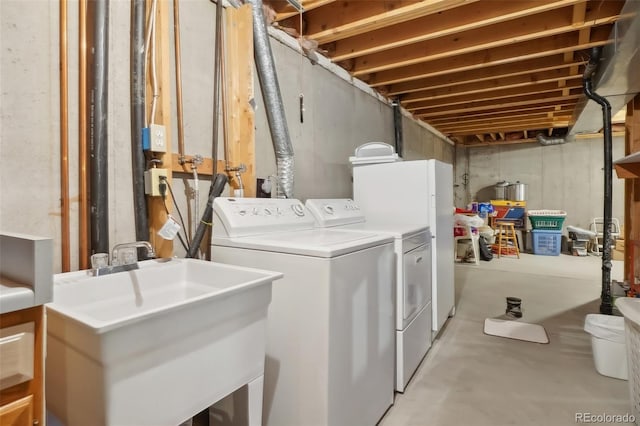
(483, 72)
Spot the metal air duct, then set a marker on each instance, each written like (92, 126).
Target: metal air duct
(272, 98)
(617, 77)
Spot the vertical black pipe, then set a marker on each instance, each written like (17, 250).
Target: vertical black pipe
(99, 130)
(397, 126)
(137, 119)
(606, 305)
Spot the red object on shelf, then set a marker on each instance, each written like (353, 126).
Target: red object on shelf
(463, 211)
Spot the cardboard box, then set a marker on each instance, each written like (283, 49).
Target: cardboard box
(620, 245)
(617, 254)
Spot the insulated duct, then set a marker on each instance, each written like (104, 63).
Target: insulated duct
(137, 119)
(99, 130)
(550, 141)
(606, 305)
(272, 98)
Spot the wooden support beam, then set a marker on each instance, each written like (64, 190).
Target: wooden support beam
(487, 117)
(288, 11)
(498, 97)
(157, 213)
(529, 82)
(206, 168)
(447, 23)
(239, 93)
(347, 19)
(489, 106)
(498, 56)
(632, 186)
(533, 68)
(507, 36)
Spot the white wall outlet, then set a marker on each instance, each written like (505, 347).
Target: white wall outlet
(157, 138)
(152, 181)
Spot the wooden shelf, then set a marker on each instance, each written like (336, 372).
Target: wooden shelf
(628, 167)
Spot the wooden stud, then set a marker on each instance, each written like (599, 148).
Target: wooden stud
(239, 93)
(631, 186)
(206, 168)
(157, 212)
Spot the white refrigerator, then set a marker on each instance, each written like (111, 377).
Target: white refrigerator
(415, 192)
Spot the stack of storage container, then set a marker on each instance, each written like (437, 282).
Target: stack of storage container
(547, 231)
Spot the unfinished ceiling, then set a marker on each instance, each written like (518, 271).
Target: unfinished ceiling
(481, 72)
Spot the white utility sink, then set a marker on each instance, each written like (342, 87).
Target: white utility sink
(156, 345)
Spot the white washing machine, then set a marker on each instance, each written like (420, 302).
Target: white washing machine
(330, 326)
(412, 246)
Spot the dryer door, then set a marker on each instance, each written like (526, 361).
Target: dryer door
(417, 281)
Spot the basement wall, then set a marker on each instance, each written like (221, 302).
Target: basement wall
(567, 177)
(340, 114)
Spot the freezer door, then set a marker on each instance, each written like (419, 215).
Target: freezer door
(441, 190)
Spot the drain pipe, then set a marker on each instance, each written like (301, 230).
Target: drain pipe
(270, 88)
(606, 305)
(397, 126)
(99, 131)
(137, 119)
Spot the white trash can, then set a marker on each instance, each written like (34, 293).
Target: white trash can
(608, 344)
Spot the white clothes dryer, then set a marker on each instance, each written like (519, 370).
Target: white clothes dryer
(330, 326)
(412, 247)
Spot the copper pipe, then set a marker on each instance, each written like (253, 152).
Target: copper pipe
(64, 139)
(83, 196)
(176, 36)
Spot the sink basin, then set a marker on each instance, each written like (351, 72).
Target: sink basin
(156, 345)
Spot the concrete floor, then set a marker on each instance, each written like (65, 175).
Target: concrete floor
(472, 378)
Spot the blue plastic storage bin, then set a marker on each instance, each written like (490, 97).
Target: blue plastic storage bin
(546, 243)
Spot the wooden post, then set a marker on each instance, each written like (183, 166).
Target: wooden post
(238, 56)
(631, 185)
(157, 212)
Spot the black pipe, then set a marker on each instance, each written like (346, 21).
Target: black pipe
(137, 119)
(216, 188)
(397, 125)
(99, 130)
(606, 305)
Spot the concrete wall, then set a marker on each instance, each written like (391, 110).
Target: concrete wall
(340, 114)
(560, 177)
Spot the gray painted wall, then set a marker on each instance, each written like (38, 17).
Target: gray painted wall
(340, 115)
(565, 177)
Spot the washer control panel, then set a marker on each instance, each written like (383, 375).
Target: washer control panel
(234, 217)
(334, 211)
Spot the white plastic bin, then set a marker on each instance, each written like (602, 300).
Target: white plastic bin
(608, 344)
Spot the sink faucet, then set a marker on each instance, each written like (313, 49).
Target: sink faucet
(135, 244)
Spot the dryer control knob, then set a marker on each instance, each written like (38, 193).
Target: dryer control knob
(328, 209)
(298, 209)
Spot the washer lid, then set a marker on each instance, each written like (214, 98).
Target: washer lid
(324, 243)
(397, 230)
